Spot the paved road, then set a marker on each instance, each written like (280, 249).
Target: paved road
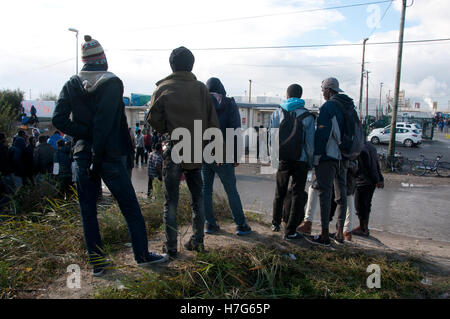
(439, 146)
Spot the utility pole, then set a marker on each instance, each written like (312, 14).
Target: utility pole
(367, 101)
(362, 78)
(388, 102)
(380, 109)
(391, 149)
(250, 92)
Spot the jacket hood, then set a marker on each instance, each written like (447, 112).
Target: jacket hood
(344, 100)
(92, 79)
(180, 76)
(292, 104)
(214, 85)
(20, 143)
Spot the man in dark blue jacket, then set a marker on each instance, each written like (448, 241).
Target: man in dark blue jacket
(99, 126)
(329, 165)
(228, 115)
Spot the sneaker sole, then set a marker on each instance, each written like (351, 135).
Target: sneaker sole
(315, 243)
(99, 274)
(159, 261)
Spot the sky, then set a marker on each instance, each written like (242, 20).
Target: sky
(38, 54)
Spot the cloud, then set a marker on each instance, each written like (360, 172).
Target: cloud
(39, 45)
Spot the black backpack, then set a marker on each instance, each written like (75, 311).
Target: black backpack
(291, 136)
(352, 140)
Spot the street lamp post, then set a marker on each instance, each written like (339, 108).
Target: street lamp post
(76, 47)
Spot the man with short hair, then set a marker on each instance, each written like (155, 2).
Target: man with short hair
(330, 166)
(43, 157)
(140, 147)
(154, 167)
(90, 108)
(177, 102)
(289, 166)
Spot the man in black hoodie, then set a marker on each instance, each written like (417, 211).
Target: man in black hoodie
(94, 97)
(368, 178)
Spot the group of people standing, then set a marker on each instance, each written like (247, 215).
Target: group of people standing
(342, 183)
(90, 108)
(30, 160)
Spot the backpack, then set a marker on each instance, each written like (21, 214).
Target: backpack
(291, 136)
(352, 140)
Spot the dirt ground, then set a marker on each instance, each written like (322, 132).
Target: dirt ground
(435, 256)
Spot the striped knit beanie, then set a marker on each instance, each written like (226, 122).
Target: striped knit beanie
(92, 52)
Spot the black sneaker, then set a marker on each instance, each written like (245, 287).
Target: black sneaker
(153, 258)
(212, 229)
(318, 240)
(243, 230)
(276, 228)
(101, 267)
(171, 252)
(293, 236)
(191, 245)
(339, 241)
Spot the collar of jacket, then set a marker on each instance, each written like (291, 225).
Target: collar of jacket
(180, 75)
(292, 104)
(92, 79)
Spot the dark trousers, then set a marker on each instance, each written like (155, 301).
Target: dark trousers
(329, 173)
(363, 201)
(172, 177)
(140, 153)
(114, 174)
(298, 171)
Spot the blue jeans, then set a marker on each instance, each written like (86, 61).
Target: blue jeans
(228, 179)
(114, 174)
(171, 177)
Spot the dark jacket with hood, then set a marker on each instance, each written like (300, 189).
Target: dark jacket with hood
(226, 110)
(43, 158)
(330, 128)
(64, 159)
(95, 99)
(369, 172)
(17, 156)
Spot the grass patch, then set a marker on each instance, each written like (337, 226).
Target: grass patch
(41, 235)
(265, 272)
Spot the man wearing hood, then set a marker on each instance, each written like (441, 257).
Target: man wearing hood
(178, 101)
(99, 127)
(297, 169)
(228, 115)
(328, 161)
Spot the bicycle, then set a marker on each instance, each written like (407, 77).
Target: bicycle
(424, 166)
(391, 163)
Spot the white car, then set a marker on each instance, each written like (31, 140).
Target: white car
(405, 136)
(412, 126)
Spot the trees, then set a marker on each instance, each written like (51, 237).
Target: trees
(10, 106)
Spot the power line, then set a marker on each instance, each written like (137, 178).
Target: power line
(264, 15)
(384, 14)
(291, 46)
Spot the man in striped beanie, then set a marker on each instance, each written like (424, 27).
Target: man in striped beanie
(90, 108)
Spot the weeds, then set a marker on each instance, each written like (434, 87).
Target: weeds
(264, 272)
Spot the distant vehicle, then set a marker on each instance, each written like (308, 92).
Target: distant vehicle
(413, 126)
(377, 124)
(406, 136)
